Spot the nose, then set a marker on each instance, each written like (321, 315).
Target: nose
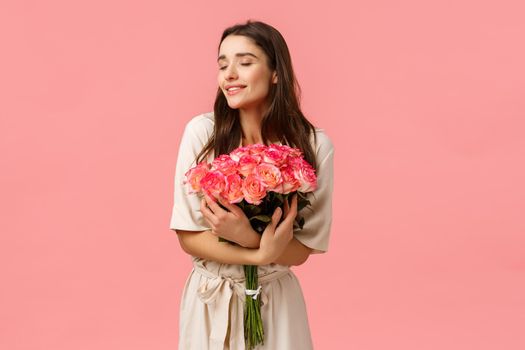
(230, 72)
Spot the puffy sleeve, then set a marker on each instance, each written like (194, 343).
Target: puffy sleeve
(186, 213)
(318, 216)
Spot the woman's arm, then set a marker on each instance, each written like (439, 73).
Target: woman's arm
(295, 253)
(205, 245)
(279, 244)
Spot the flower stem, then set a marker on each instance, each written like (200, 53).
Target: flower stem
(253, 325)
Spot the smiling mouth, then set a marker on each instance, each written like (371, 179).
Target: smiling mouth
(233, 91)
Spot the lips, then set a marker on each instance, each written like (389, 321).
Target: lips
(227, 87)
(233, 89)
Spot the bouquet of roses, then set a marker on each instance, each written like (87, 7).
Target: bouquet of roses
(258, 179)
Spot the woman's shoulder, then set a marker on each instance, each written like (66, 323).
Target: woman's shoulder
(201, 121)
(324, 145)
(201, 125)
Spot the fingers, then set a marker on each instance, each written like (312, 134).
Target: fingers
(231, 207)
(284, 232)
(215, 208)
(291, 207)
(276, 216)
(271, 227)
(294, 203)
(208, 214)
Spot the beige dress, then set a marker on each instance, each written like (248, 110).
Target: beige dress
(212, 303)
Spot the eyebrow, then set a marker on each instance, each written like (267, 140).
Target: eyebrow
(238, 54)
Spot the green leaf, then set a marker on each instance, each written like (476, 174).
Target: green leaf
(298, 222)
(263, 218)
(253, 209)
(302, 204)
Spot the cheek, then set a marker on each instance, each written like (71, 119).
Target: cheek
(256, 77)
(258, 82)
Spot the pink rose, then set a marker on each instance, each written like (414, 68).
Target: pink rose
(225, 164)
(247, 164)
(253, 189)
(257, 149)
(289, 151)
(194, 176)
(213, 183)
(239, 152)
(269, 174)
(305, 174)
(274, 155)
(233, 189)
(290, 183)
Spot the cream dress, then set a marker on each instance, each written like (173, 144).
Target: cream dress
(212, 303)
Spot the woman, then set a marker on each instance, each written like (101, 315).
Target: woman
(257, 102)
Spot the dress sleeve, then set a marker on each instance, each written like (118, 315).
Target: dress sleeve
(318, 216)
(186, 213)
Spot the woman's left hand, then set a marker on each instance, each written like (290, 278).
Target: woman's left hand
(232, 225)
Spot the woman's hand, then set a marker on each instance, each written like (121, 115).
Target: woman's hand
(232, 225)
(275, 238)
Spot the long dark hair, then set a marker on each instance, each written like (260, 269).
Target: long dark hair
(283, 119)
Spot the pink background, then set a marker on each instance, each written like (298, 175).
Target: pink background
(424, 102)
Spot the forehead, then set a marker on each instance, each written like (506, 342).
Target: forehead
(238, 45)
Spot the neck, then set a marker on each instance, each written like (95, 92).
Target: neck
(251, 125)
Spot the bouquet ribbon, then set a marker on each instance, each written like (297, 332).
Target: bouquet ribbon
(218, 291)
(254, 293)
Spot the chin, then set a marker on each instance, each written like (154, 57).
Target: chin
(235, 105)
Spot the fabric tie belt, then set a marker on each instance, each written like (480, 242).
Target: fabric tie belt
(218, 291)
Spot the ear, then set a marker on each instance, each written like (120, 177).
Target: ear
(274, 77)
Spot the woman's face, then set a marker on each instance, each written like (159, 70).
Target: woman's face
(243, 64)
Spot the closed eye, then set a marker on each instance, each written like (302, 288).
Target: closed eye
(242, 64)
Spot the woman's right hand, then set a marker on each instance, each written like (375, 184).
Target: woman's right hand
(275, 238)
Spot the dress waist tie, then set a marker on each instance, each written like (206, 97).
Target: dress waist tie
(218, 290)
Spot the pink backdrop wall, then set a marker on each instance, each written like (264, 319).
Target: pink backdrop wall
(424, 102)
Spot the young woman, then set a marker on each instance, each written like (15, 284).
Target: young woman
(257, 102)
